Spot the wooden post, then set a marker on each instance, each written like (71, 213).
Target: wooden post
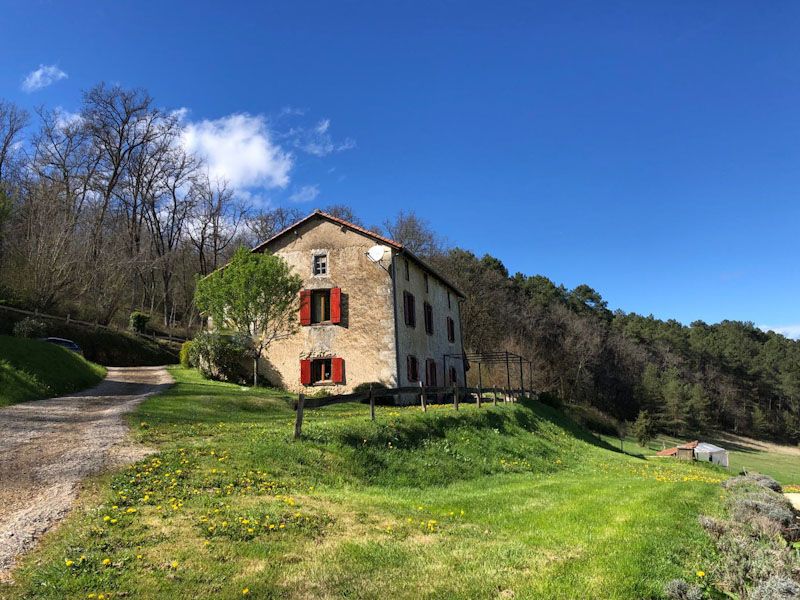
(521, 380)
(480, 385)
(455, 396)
(298, 424)
(371, 404)
(422, 398)
(508, 373)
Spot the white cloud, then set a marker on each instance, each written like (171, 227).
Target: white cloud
(307, 193)
(240, 149)
(66, 118)
(317, 140)
(790, 331)
(42, 77)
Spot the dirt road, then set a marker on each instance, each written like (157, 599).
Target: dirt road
(48, 446)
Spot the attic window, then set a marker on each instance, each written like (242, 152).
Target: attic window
(320, 267)
(408, 275)
(427, 285)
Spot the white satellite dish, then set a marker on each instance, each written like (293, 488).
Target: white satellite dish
(376, 253)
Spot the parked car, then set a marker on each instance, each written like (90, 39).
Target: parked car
(68, 344)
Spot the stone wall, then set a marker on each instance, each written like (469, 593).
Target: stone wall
(365, 338)
(415, 340)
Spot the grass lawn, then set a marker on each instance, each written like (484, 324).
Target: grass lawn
(513, 501)
(780, 462)
(31, 369)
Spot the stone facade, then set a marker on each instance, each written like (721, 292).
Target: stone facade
(371, 340)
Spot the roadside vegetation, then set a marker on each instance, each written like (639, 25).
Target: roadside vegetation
(103, 346)
(31, 369)
(513, 501)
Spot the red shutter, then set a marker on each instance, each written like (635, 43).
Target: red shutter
(336, 305)
(337, 370)
(305, 372)
(305, 307)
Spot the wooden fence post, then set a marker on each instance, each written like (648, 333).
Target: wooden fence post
(298, 424)
(480, 385)
(455, 396)
(371, 404)
(494, 396)
(422, 398)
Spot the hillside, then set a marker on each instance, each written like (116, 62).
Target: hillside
(514, 500)
(30, 369)
(103, 346)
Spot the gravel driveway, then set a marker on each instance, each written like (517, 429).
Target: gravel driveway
(49, 446)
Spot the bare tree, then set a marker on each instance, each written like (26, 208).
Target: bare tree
(12, 121)
(266, 223)
(414, 233)
(215, 221)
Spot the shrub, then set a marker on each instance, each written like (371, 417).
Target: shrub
(768, 505)
(30, 328)
(678, 589)
(185, 353)
(137, 322)
(776, 588)
(753, 479)
(550, 399)
(745, 559)
(364, 387)
(220, 356)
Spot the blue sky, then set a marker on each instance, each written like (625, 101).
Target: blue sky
(649, 149)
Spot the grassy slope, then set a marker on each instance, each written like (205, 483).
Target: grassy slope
(104, 346)
(782, 463)
(479, 504)
(30, 369)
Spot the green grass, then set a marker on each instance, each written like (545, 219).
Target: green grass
(508, 501)
(30, 369)
(780, 462)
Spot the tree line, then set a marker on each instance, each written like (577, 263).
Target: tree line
(105, 212)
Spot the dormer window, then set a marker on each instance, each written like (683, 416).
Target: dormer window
(320, 265)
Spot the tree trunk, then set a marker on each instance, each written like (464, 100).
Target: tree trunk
(255, 372)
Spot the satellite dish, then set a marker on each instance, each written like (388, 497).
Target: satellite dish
(375, 254)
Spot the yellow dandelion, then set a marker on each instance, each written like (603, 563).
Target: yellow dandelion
(69, 562)
(174, 564)
(701, 573)
(106, 561)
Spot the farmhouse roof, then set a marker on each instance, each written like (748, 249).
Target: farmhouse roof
(365, 232)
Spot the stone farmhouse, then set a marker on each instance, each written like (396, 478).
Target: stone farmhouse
(370, 311)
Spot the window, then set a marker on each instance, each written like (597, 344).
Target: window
(315, 371)
(428, 311)
(427, 285)
(409, 309)
(321, 370)
(412, 368)
(408, 274)
(453, 375)
(448, 299)
(430, 372)
(321, 306)
(451, 330)
(320, 267)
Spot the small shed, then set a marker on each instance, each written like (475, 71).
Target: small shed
(686, 451)
(710, 453)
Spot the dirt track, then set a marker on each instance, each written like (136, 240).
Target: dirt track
(49, 446)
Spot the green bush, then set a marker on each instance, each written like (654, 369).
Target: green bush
(364, 387)
(30, 328)
(137, 322)
(219, 356)
(185, 354)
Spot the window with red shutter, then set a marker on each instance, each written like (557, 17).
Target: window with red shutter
(305, 372)
(412, 368)
(428, 312)
(336, 305)
(305, 307)
(337, 370)
(430, 372)
(409, 309)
